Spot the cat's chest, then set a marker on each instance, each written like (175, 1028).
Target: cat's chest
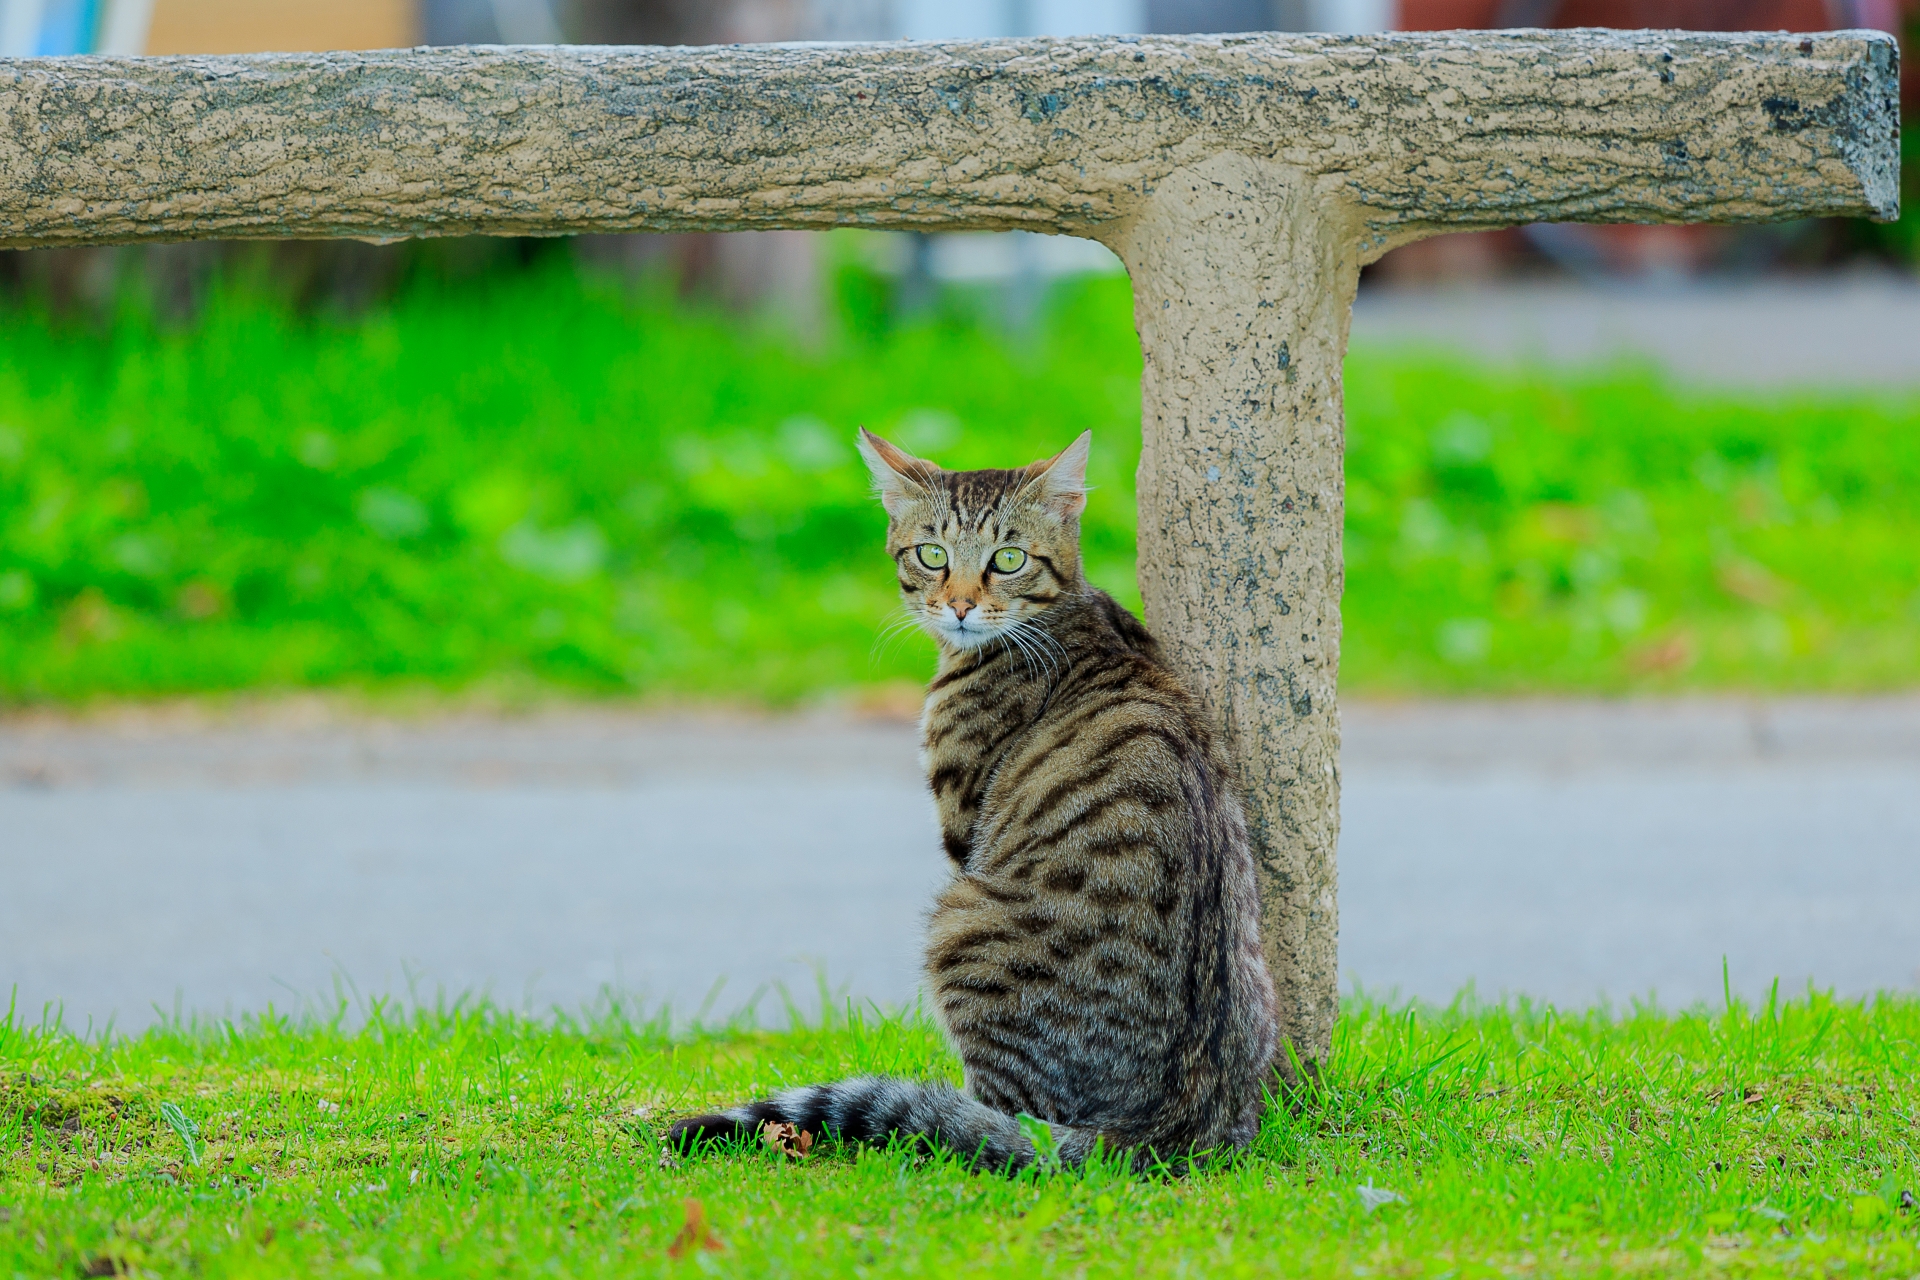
(967, 727)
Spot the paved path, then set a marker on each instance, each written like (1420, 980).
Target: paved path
(1825, 330)
(1562, 850)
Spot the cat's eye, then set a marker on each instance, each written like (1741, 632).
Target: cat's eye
(932, 555)
(1009, 559)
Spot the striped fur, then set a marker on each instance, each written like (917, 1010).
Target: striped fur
(878, 1108)
(1095, 959)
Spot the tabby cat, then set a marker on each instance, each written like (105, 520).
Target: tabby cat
(1095, 959)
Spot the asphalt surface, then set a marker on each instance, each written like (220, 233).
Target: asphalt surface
(1568, 851)
(1848, 332)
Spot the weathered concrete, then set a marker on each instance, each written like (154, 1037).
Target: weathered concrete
(1408, 132)
(1243, 284)
(1242, 179)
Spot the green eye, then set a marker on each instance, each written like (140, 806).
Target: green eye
(1009, 559)
(932, 555)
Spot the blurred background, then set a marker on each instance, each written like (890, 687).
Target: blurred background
(447, 612)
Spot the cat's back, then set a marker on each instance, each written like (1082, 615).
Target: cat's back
(1117, 787)
(1108, 898)
(1118, 733)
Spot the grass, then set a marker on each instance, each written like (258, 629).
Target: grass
(536, 481)
(1779, 1140)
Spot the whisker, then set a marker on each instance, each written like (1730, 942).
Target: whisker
(895, 625)
(1049, 641)
(1012, 636)
(1005, 642)
(891, 631)
(1042, 667)
(1042, 635)
(1035, 642)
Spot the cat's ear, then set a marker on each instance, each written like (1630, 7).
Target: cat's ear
(1062, 479)
(900, 477)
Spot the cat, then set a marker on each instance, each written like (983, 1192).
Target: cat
(1095, 960)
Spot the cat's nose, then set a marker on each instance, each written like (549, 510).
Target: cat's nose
(960, 608)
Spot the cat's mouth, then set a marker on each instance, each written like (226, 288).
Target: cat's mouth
(969, 632)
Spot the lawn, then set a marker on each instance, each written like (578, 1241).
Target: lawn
(1780, 1140)
(538, 481)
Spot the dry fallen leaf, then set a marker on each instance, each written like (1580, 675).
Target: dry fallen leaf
(1751, 582)
(792, 1142)
(1672, 653)
(695, 1233)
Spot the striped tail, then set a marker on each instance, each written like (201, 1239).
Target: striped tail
(873, 1109)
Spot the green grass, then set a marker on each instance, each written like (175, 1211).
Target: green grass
(1780, 1140)
(534, 482)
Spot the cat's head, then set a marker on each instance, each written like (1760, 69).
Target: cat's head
(979, 553)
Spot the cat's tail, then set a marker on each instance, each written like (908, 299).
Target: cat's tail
(873, 1109)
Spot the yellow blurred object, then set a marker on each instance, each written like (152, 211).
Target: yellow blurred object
(280, 26)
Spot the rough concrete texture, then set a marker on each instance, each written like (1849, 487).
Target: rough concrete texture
(1413, 131)
(1243, 284)
(1243, 180)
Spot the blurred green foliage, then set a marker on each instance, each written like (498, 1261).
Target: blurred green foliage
(1612, 532)
(537, 480)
